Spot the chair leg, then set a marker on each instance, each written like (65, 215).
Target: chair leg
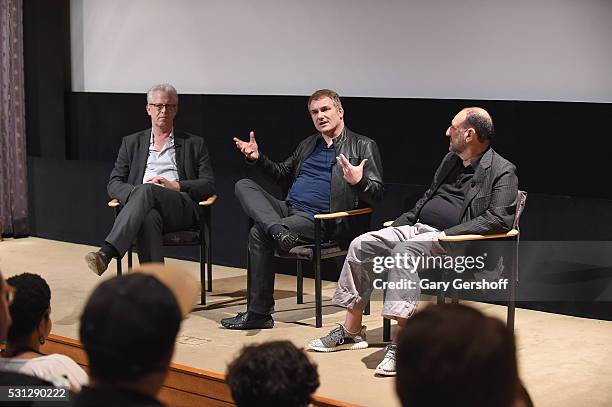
(386, 330)
(366, 310)
(248, 278)
(129, 253)
(202, 273)
(119, 271)
(209, 262)
(317, 266)
(300, 282)
(513, 283)
(440, 294)
(455, 296)
(318, 294)
(440, 298)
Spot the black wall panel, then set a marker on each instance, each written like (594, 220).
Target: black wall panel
(557, 148)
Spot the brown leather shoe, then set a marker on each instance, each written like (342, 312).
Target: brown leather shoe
(97, 262)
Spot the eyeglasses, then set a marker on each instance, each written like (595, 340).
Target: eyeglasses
(9, 294)
(160, 106)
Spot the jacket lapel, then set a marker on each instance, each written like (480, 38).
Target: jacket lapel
(479, 176)
(448, 164)
(179, 153)
(143, 154)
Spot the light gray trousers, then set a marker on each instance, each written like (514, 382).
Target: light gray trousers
(365, 263)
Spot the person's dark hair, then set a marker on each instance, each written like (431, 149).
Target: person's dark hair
(523, 398)
(482, 124)
(30, 306)
(274, 373)
(322, 93)
(454, 355)
(128, 328)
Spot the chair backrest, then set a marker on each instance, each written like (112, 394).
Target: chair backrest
(521, 200)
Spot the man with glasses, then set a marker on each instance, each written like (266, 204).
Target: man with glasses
(473, 191)
(160, 175)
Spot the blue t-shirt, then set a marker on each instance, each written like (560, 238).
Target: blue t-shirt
(312, 188)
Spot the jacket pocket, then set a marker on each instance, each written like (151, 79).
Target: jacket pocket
(479, 205)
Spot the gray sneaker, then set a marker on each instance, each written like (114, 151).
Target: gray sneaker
(339, 339)
(387, 366)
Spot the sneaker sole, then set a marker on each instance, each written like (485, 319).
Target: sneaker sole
(384, 372)
(349, 346)
(236, 327)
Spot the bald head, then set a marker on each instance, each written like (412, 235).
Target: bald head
(480, 120)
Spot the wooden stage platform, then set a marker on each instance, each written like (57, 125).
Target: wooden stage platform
(564, 361)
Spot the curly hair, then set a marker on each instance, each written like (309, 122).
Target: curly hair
(32, 300)
(274, 373)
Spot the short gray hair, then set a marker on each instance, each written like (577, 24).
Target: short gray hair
(323, 93)
(162, 87)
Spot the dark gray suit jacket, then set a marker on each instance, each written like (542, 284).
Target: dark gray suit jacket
(192, 161)
(490, 204)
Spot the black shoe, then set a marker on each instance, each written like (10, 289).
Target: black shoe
(97, 261)
(248, 320)
(285, 240)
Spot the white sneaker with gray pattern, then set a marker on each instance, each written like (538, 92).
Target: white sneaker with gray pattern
(387, 366)
(340, 339)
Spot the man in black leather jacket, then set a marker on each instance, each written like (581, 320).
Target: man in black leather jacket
(333, 170)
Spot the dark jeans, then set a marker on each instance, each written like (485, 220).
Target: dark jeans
(151, 211)
(265, 211)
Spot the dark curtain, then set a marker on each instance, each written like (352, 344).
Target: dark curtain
(13, 181)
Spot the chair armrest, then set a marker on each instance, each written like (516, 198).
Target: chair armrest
(344, 214)
(388, 223)
(113, 203)
(468, 238)
(208, 201)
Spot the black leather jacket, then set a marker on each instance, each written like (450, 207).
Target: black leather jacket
(344, 196)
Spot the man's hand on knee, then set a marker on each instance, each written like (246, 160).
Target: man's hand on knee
(163, 182)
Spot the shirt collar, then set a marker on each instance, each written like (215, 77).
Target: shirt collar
(170, 141)
(170, 138)
(337, 140)
(476, 161)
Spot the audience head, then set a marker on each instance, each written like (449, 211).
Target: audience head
(30, 310)
(6, 297)
(455, 355)
(272, 374)
(129, 324)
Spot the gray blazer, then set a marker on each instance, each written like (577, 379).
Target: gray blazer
(192, 160)
(490, 204)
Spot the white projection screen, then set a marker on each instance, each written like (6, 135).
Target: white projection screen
(557, 50)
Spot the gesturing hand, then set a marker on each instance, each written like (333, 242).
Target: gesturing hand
(163, 182)
(352, 174)
(249, 149)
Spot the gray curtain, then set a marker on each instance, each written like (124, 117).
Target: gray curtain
(13, 181)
